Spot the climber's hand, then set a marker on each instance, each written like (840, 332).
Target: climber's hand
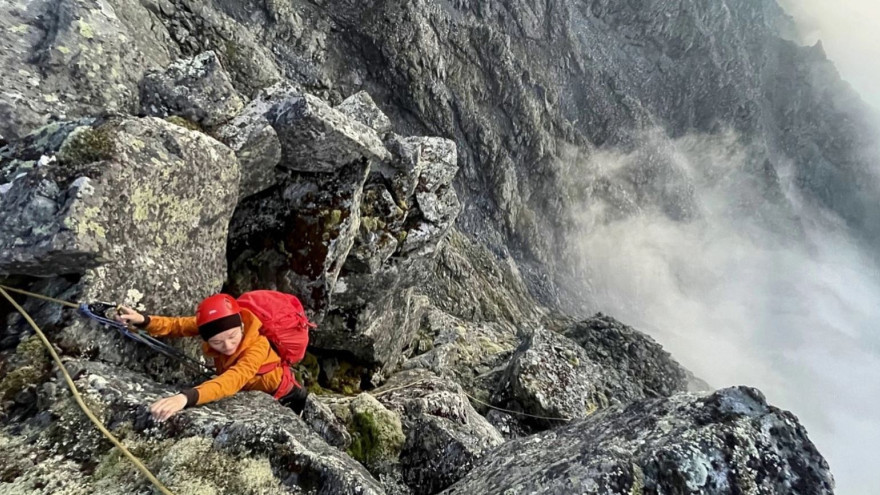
(129, 316)
(164, 408)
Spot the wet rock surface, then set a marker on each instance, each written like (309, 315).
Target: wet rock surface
(730, 441)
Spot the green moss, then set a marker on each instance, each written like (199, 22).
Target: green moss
(32, 350)
(591, 408)
(190, 466)
(115, 465)
(17, 380)
(86, 30)
(307, 372)
(184, 122)
(365, 438)
(347, 379)
(370, 224)
(376, 433)
(233, 52)
(87, 145)
(33, 358)
(332, 219)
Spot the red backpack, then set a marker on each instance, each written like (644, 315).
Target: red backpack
(285, 324)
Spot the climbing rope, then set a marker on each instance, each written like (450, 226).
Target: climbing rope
(469, 396)
(78, 398)
(41, 296)
(95, 312)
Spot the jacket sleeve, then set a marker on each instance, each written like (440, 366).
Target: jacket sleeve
(166, 326)
(237, 376)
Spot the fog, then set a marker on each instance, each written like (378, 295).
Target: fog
(849, 33)
(773, 295)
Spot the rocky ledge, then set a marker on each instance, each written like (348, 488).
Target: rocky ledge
(223, 162)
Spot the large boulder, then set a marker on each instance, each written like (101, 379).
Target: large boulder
(377, 331)
(639, 359)
(729, 442)
(445, 436)
(471, 354)
(349, 227)
(245, 444)
(553, 380)
(118, 206)
(376, 432)
(423, 169)
(318, 138)
(393, 251)
(197, 89)
(254, 140)
(361, 107)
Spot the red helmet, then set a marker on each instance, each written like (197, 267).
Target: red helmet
(216, 307)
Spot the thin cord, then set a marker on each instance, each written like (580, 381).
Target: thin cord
(383, 392)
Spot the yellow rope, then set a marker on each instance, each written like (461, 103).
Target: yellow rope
(78, 398)
(40, 296)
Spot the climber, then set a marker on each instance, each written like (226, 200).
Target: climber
(236, 339)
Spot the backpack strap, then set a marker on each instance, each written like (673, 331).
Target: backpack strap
(288, 383)
(266, 368)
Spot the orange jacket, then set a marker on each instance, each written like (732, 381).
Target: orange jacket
(236, 372)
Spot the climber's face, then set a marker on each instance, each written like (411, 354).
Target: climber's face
(226, 342)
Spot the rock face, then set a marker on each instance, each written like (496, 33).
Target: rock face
(361, 107)
(101, 183)
(119, 206)
(264, 446)
(551, 376)
(317, 138)
(640, 360)
(352, 224)
(197, 89)
(444, 434)
(255, 142)
(326, 424)
(422, 212)
(70, 59)
(517, 86)
(727, 442)
(295, 237)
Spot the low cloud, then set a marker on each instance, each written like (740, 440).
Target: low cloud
(849, 33)
(743, 284)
